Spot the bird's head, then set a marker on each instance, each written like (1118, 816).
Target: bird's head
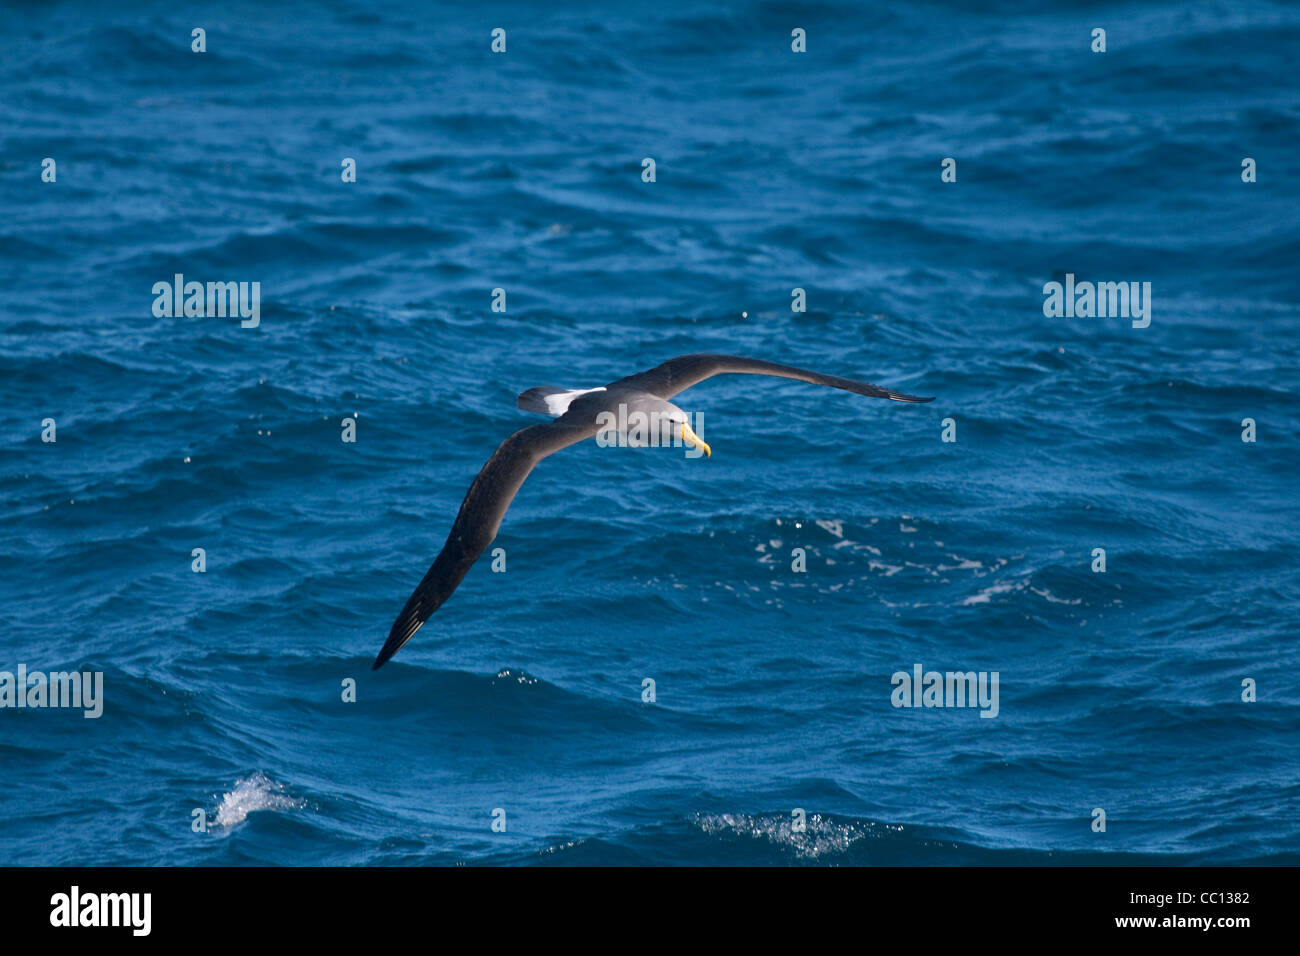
(646, 422)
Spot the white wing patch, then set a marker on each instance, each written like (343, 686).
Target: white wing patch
(558, 404)
(552, 401)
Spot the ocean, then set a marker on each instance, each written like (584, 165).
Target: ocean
(686, 661)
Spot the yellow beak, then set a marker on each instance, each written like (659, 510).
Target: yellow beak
(695, 441)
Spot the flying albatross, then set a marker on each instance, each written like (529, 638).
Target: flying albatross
(631, 411)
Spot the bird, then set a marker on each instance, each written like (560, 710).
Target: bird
(633, 411)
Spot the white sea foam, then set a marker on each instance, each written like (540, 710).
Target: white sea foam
(819, 837)
(518, 677)
(1000, 587)
(257, 792)
(963, 564)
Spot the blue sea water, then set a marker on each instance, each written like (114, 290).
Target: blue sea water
(1119, 691)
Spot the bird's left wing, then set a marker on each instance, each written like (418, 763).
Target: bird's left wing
(480, 516)
(678, 374)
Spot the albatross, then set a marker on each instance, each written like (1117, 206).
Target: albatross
(619, 411)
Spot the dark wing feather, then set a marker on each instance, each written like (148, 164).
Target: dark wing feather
(677, 375)
(480, 516)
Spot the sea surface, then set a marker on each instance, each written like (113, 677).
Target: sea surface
(772, 737)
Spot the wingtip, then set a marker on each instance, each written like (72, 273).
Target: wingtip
(401, 633)
(385, 654)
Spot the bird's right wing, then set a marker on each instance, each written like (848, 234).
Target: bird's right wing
(480, 516)
(678, 374)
